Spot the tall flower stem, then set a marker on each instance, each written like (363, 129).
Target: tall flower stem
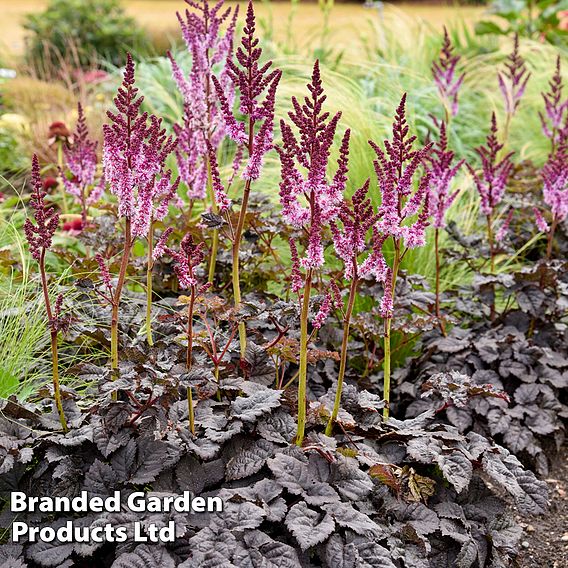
(215, 239)
(149, 269)
(550, 238)
(387, 332)
(54, 349)
(344, 347)
(491, 239)
(60, 169)
(189, 359)
(237, 245)
(437, 254)
(117, 296)
(303, 372)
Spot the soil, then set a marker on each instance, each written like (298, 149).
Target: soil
(545, 540)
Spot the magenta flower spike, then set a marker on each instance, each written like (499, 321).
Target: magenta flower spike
(135, 151)
(555, 190)
(39, 235)
(554, 120)
(446, 77)
(491, 182)
(256, 84)
(513, 81)
(404, 183)
(81, 161)
(203, 124)
(311, 199)
(442, 172)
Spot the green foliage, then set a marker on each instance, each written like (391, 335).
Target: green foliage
(82, 31)
(11, 157)
(527, 18)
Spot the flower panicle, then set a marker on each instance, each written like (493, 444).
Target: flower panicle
(513, 81)
(555, 117)
(445, 76)
(396, 168)
(555, 182)
(491, 182)
(186, 261)
(308, 199)
(135, 151)
(40, 234)
(442, 172)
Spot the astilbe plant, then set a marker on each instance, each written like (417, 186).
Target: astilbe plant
(81, 161)
(404, 215)
(256, 86)
(134, 160)
(40, 239)
(448, 82)
(186, 262)
(554, 120)
(555, 192)
(310, 202)
(491, 183)
(203, 130)
(349, 231)
(512, 83)
(443, 169)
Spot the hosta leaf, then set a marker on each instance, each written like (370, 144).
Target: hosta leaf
(145, 557)
(249, 408)
(249, 461)
(308, 526)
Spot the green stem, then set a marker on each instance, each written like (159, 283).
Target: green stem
(437, 254)
(343, 360)
(490, 238)
(116, 299)
(149, 269)
(302, 374)
(387, 331)
(54, 350)
(189, 359)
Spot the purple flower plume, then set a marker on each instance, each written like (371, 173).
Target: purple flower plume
(491, 182)
(203, 121)
(555, 182)
(442, 172)
(134, 159)
(256, 85)
(555, 118)
(541, 223)
(445, 76)
(513, 81)
(356, 218)
(396, 168)
(186, 261)
(81, 160)
(40, 234)
(504, 228)
(308, 199)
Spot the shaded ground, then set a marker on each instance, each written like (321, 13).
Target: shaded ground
(545, 542)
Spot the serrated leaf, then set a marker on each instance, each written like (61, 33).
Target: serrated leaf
(278, 427)
(373, 555)
(457, 469)
(145, 556)
(308, 526)
(100, 479)
(49, 553)
(251, 407)
(345, 515)
(249, 461)
(153, 457)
